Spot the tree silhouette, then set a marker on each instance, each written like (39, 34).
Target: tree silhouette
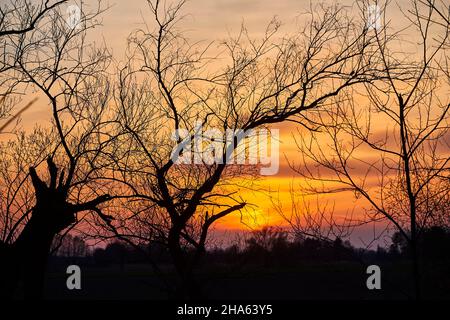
(405, 180)
(67, 71)
(169, 84)
(17, 19)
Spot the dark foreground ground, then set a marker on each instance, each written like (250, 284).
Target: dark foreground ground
(337, 280)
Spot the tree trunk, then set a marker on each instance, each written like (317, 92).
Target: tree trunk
(30, 254)
(415, 270)
(9, 272)
(188, 288)
(411, 198)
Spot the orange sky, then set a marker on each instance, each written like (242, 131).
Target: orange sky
(211, 20)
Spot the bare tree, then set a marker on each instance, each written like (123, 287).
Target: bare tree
(388, 143)
(170, 84)
(70, 246)
(312, 219)
(57, 60)
(17, 19)
(19, 16)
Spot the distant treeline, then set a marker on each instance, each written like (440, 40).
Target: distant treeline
(267, 247)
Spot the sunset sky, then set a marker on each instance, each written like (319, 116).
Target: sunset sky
(196, 151)
(212, 20)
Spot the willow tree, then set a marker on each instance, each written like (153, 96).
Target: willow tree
(58, 64)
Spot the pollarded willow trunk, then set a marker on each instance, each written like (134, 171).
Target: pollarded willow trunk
(31, 252)
(9, 272)
(25, 260)
(52, 213)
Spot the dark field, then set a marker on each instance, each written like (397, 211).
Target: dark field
(340, 281)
